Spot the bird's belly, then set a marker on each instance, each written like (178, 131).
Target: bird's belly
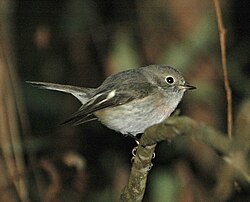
(136, 116)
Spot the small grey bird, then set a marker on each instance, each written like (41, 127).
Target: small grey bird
(129, 101)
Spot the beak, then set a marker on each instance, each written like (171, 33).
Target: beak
(187, 87)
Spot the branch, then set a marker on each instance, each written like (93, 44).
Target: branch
(183, 125)
(234, 151)
(222, 32)
(134, 191)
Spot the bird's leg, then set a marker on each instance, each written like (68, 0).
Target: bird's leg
(134, 153)
(134, 137)
(135, 149)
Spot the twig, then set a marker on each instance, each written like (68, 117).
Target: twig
(222, 32)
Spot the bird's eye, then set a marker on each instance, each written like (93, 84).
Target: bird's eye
(169, 79)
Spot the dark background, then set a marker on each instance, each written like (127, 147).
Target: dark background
(82, 42)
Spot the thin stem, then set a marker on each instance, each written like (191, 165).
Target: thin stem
(222, 32)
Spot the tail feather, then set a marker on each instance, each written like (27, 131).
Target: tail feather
(82, 94)
(79, 120)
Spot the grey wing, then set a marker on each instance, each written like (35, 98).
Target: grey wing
(82, 94)
(110, 98)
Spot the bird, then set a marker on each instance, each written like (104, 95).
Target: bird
(129, 101)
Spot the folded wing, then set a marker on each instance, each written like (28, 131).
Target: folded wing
(109, 98)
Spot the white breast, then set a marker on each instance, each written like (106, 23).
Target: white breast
(134, 117)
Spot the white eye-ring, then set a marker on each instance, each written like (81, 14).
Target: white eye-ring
(169, 79)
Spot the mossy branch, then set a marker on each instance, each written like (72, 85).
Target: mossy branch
(134, 191)
(234, 151)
